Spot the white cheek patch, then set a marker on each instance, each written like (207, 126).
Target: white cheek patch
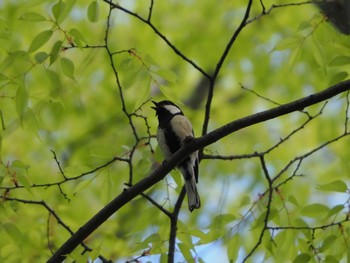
(172, 109)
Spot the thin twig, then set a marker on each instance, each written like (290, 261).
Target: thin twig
(59, 183)
(268, 209)
(158, 33)
(58, 164)
(258, 154)
(265, 11)
(219, 65)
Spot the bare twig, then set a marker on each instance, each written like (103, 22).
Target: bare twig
(59, 183)
(219, 65)
(265, 11)
(268, 208)
(156, 204)
(158, 33)
(150, 11)
(258, 154)
(62, 173)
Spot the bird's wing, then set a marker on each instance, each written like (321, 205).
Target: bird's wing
(195, 165)
(182, 127)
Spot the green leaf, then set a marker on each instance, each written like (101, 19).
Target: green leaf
(67, 67)
(281, 244)
(40, 40)
(55, 80)
(266, 242)
(58, 10)
(185, 239)
(197, 233)
(167, 75)
(302, 258)
(132, 68)
(93, 11)
(23, 179)
(294, 56)
(332, 259)
(293, 200)
(334, 186)
(319, 53)
(340, 76)
(77, 36)
(287, 43)
(32, 120)
(152, 238)
(315, 210)
(328, 242)
(55, 51)
(3, 126)
(175, 174)
(259, 222)
(186, 252)
(81, 185)
(13, 231)
(95, 252)
(244, 201)
(40, 57)
(183, 235)
(3, 77)
(32, 16)
(233, 248)
(77, 256)
(143, 95)
(163, 258)
(21, 100)
(221, 220)
(335, 210)
(340, 61)
(305, 25)
(20, 164)
(168, 92)
(300, 222)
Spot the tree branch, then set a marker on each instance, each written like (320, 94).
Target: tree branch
(158, 33)
(173, 225)
(268, 208)
(197, 144)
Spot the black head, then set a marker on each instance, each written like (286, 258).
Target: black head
(166, 107)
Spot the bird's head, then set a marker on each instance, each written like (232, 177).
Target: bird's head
(166, 107)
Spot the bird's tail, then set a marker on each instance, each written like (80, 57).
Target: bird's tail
(192, 193)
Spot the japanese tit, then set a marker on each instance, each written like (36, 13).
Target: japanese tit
(173, 129)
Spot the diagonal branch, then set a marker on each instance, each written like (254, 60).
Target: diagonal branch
(197, 144)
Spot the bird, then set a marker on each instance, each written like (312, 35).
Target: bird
(174, 128)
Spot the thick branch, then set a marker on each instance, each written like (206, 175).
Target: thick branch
(199, 143)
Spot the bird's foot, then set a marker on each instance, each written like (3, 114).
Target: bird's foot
(188, 139)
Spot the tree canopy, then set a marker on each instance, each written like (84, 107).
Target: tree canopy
(265, 86)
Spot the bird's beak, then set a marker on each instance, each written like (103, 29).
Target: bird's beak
(156, 105)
